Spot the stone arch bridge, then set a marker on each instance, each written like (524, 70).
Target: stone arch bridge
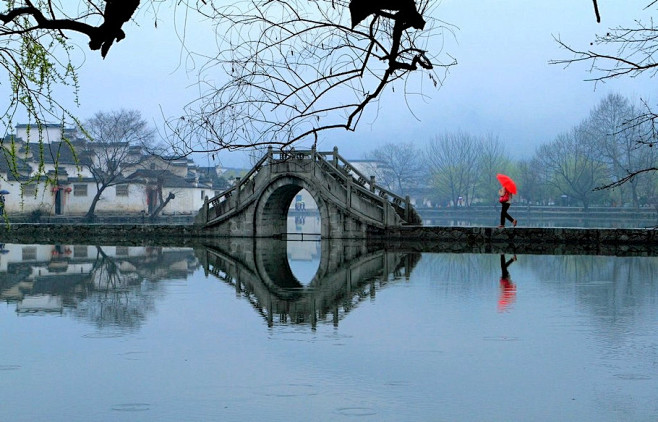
(351, 205)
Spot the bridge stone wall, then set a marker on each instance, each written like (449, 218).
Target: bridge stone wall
(350, 205)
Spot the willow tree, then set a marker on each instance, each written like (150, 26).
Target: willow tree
(453, 164)
(575, 167)
(36, 59)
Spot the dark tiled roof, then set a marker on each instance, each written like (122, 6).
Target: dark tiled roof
(35, 126)
(6, 167)
(209, 175)
(167, 178)
(59, 152)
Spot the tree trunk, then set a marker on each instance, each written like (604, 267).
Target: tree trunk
(634, 195)
(155, 213)
(92, 208)
(585, 204)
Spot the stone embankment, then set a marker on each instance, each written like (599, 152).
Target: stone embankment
(102, 234)
(522, 240)
(416, 238)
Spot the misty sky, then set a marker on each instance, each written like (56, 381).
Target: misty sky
(502, 85)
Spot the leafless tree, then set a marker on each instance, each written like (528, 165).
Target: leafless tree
(534, 181)
(403, 165)
(117, 298)
(644, 131)
(608, 126)
(114, 136)
(162, 201)
(466, 165)
(290, 70)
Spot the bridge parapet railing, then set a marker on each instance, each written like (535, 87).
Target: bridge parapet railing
(366, 184)
(217, 205)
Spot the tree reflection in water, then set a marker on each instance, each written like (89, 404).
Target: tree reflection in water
(106, 286)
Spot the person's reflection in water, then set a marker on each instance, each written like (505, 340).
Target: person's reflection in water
(507, 288)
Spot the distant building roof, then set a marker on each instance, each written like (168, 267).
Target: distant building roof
(210, 175)
(44, 125)
(22, 168)
(55, 152)
(167, 178)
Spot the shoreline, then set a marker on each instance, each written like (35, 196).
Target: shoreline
(600, 241)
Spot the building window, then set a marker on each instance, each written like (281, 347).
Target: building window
(122, 251)
(29, 253)
(80, 252)
(122, 190)
(29, 190)
(203, 195)
(79, 190)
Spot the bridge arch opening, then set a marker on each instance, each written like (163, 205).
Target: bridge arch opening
(277, 204)
(303, 216)
(303, 259)
(289, 265)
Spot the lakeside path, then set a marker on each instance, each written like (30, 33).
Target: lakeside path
(413, 238)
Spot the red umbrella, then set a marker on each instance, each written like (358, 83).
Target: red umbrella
(507, 183)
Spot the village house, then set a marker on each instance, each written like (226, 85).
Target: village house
(62, 174)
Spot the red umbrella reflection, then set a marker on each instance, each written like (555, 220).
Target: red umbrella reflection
(507, 183)
(507, 288)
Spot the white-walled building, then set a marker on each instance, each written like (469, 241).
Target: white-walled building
(50, 132)
(51, 178)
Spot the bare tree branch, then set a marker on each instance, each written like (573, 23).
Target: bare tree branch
(115, 14)
(624, 51)
(623, 180)
(298, 69)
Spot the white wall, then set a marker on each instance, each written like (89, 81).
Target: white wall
(187, 200)
(50, 133)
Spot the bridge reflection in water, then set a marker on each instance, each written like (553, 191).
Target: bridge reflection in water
(348, 273)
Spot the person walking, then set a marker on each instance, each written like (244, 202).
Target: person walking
(505, 200)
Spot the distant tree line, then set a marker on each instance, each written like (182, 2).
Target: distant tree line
(595, 163)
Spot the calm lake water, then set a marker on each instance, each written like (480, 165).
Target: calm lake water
(330, 331)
